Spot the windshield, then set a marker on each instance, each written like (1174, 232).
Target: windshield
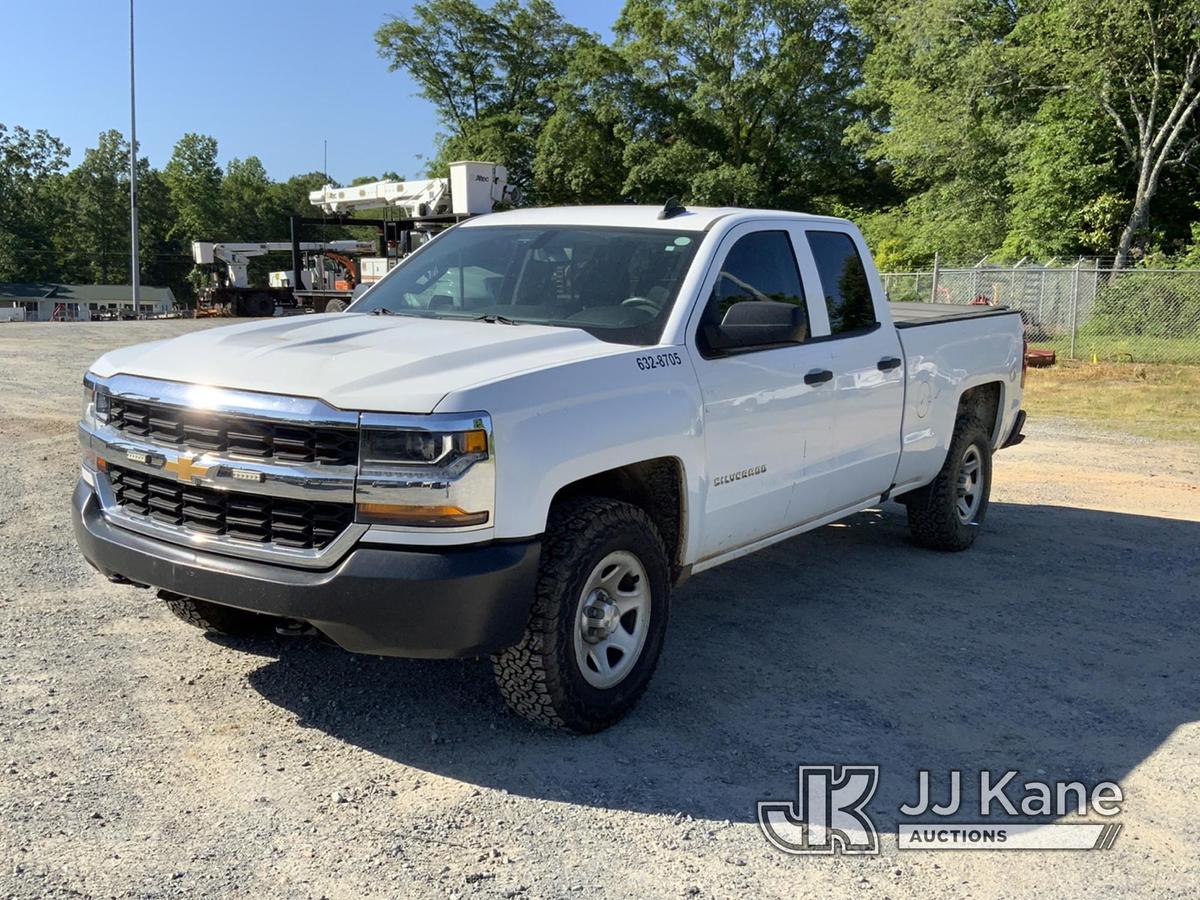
(616, 283)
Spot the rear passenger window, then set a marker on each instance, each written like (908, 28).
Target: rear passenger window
(759, 266)
(843, 281)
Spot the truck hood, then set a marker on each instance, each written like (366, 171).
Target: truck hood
(400, 364)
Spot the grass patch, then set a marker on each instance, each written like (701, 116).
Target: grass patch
(1158, 401)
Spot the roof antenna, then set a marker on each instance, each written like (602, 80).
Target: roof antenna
(672, 208)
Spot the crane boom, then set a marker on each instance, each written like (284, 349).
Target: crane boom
(237, 256)
(412, 198)
(473, 188)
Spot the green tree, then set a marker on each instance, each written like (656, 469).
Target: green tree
(368, 179)
(165, 260)
(94, 244)
(580, 153)
(1063, 163)
(945, 108)
(1137, 62)
(194, 180)
(749, 100)
(490, 73)
(31, 203)
(250, 206)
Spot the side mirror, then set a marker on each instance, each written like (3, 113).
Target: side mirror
(757, 323)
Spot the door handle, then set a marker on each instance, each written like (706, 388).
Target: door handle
(818, 376)
(889, 362)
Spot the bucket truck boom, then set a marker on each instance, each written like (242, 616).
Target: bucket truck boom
(472, 189)
(234, 292)
(237, 256)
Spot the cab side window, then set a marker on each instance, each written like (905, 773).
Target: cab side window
(843, 281)
(759, 266)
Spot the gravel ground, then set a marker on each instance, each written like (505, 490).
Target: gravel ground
(140, 758)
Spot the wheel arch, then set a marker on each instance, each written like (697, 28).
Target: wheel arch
(657, 486)
(986, 402)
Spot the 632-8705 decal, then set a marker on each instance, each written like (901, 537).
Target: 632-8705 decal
(659, 361)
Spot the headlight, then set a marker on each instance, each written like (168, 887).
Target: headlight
(425, 471)
(95, 403)
(391, 447)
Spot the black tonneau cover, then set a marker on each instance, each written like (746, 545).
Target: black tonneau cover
(912, 315)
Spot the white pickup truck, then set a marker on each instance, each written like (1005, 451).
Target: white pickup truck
(518, 441)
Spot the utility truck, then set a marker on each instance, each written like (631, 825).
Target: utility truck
(231, 289)
(518, 441)
(414, 210)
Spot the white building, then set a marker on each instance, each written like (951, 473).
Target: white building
(45, 302)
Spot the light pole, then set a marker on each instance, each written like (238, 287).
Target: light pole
(133, 209)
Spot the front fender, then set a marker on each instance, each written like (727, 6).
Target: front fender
(557, 425)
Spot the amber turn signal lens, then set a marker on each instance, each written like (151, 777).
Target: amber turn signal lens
(475, 441)
(423, 516)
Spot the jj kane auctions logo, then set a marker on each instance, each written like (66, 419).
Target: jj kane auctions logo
(829, 814)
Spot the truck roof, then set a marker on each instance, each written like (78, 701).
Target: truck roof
(694, 218)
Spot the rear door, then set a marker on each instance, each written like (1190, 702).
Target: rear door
(764, 425)
(868, 368)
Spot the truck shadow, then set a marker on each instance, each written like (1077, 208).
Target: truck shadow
(1064, 645)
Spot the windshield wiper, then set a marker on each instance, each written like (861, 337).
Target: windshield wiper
(493, 318)
(496, 318)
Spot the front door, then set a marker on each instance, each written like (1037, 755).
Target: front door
(768, 430)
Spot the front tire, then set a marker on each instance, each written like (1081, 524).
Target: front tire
(946, 514)
(598, 621)
(213, 618)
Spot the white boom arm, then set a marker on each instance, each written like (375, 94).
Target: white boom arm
(472, 188)
(412, 198)
(237, 256)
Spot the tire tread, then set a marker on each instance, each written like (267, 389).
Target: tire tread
(932, 520)
(528, 673)
(212, 618)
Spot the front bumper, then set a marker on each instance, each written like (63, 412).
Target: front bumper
(444, 602)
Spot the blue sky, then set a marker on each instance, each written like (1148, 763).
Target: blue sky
(266, 78)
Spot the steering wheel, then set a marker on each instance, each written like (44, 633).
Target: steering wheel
(642, 303)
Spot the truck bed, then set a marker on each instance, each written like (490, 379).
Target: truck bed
(913, 315)
(970, 345)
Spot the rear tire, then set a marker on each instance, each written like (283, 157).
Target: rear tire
(335, 306)
(598, 621)
(213, 618)
(946, 514)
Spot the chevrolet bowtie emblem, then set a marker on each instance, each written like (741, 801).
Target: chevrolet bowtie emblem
(185, 469)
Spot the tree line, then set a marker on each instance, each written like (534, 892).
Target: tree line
(1054, 128)
(71, 225)
(968, 128)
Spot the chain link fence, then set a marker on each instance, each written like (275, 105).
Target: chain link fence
(1082, 312)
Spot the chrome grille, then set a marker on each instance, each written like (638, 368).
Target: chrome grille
(234, 435)
(260, 519)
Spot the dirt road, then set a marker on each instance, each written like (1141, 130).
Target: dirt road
(140, 758)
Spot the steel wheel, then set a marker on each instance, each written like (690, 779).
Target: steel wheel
(598, 620)
(612, 619)
(970, 484)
